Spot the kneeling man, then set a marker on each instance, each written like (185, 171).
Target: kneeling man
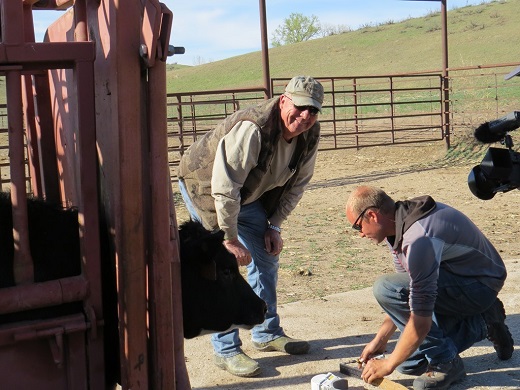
(443, 297)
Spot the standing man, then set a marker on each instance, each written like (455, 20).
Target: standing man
(443, 297)
(245, 177)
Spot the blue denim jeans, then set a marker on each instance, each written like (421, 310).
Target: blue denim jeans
(457, 322)
(262, 275)
(187, 202)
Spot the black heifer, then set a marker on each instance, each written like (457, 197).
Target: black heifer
(54, 241)
(213, 300)
(215, 296)
(54, 247)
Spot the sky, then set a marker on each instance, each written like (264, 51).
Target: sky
(213, 30)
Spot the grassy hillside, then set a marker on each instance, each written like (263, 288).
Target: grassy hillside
(482, 34)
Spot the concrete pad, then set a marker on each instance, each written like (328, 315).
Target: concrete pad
(338, 327)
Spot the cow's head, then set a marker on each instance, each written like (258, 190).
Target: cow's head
(215, 296)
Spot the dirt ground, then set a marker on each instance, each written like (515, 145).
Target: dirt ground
(326, 270)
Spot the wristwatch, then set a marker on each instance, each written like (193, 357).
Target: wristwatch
(276, 228)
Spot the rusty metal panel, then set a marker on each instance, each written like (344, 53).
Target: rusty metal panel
(165, 293)
(63, 110)
(120, 118)
(126, 101)
(74, 120)
(44, 355)
(165, 311)
(22, 262)
(75, 344)
(49, 4)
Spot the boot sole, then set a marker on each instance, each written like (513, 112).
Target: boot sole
(458, 378)
(290, 348)
(253, 373)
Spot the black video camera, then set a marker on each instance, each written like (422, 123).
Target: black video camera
(499, 171)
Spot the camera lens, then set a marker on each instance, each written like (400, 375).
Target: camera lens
(481, 186)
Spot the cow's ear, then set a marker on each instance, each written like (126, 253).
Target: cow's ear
(219, 234)
(213, 243)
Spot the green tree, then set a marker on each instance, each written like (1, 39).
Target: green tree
(296, 28)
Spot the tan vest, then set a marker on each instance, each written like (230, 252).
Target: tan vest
(196, 165)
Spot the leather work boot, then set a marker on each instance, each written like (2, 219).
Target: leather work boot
(415, 369)
(498, 332)
(284, 344)
(441, 376)
(239, 365)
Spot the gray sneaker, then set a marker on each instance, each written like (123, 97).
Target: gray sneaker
(498, 332)
(440, 376)
(239, 365)
(284, 344)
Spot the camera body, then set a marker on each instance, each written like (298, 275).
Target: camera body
(499, 171)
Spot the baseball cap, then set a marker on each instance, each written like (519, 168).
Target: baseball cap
(305, 91)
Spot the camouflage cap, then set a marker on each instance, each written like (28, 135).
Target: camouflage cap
(305, 91)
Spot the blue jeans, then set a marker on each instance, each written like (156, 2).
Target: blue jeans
(457, 322)
(262, 275)
(187, 202)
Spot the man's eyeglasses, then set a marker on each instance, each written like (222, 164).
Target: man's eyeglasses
(357, 224)
(313, 111)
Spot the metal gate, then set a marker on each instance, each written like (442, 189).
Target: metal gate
(98, 144)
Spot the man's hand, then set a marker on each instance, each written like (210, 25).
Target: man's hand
(412, 336)
(236, 248)
(273, 242)
(378, 344)
(372, 349)
(376, 368)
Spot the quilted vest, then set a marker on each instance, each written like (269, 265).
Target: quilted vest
(196, 165)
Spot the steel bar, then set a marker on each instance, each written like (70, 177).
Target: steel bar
(37, 295)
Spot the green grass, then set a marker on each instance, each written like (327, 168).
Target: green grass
(481, 34)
